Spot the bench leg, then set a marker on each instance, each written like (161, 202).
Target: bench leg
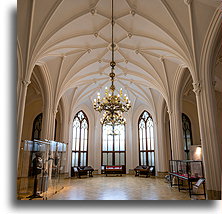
(178, 181)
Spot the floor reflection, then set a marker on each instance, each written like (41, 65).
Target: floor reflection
(119, 188)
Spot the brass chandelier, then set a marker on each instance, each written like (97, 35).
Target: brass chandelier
(111, 104)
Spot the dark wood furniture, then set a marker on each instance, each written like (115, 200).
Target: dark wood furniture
(144, 170)
(84, 170)
(114, 170)
(186, 170)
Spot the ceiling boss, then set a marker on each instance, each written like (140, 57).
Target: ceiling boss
(111, 104)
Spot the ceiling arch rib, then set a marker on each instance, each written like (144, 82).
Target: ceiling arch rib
(74, 19)
(167, 51)
(63, 41)
(44, 25)
(85, 65)
(140, 34)
(77, 70)
(97, 74)
(69, 42)
(41, 44)
(136, 93)
(178, 26)
(165, 30)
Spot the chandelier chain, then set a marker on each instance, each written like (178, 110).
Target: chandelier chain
(112, 105)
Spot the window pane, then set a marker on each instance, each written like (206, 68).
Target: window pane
(105, 146)
(122, 159)
(110, 160)
(117, 159)
(113, 140)
(84, 159)
(81, 142)
(188, 143)
(140, 138)
(104, 159)
(149, 159)
(153, 163)
(117, 142)
(73, 159)
(85, 145)
(146, 138)
(77, 139)
(186, 124)
(80, 139)
(110, 145)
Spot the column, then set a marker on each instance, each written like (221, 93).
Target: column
(209, 141)
(20, 113)
(48, 123)
(65, 138)
(48, 129)
(69, 147)
(97, 144)
(176, 134)
(163, 160)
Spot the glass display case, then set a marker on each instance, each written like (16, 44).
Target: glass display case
(185, 170)
(41, 169)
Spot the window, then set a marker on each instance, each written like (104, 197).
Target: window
(80, 140)
(146, 140)
(113, 145)
(37, 127)
(187, 134)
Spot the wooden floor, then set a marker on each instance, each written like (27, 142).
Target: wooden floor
(127, 187)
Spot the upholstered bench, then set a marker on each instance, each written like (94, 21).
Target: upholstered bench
(84, 170)
(143, 170)
(113, 170)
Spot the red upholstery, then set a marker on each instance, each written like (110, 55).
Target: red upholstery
(113, 167)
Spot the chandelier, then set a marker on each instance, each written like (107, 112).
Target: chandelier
(111, 104)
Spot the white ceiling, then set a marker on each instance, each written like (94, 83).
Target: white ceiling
(73, 37)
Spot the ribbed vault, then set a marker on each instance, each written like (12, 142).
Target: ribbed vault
(153, 38)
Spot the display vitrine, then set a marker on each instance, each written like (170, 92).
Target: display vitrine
(40, 169)
(186, 170)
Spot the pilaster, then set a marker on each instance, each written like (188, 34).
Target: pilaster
(176, 133)
(211, 146)
(20, 112)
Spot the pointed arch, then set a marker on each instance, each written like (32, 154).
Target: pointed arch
(146, 139)
(80, 140)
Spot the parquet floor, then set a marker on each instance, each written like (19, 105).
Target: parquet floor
(127, 187)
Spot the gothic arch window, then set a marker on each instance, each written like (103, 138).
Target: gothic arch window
(80, 140)
(187, 134)
(146, 140)
(113, 145)
(37, 127)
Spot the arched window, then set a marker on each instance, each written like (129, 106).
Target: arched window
(187, 134)
(80, 140)
(113, 145)
(37, 127)
(146, 140)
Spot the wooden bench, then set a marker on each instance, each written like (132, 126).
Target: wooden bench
(144, 170)
(114, 170)
(84, 170)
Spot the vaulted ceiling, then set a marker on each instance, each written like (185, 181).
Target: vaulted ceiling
(152, 37)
